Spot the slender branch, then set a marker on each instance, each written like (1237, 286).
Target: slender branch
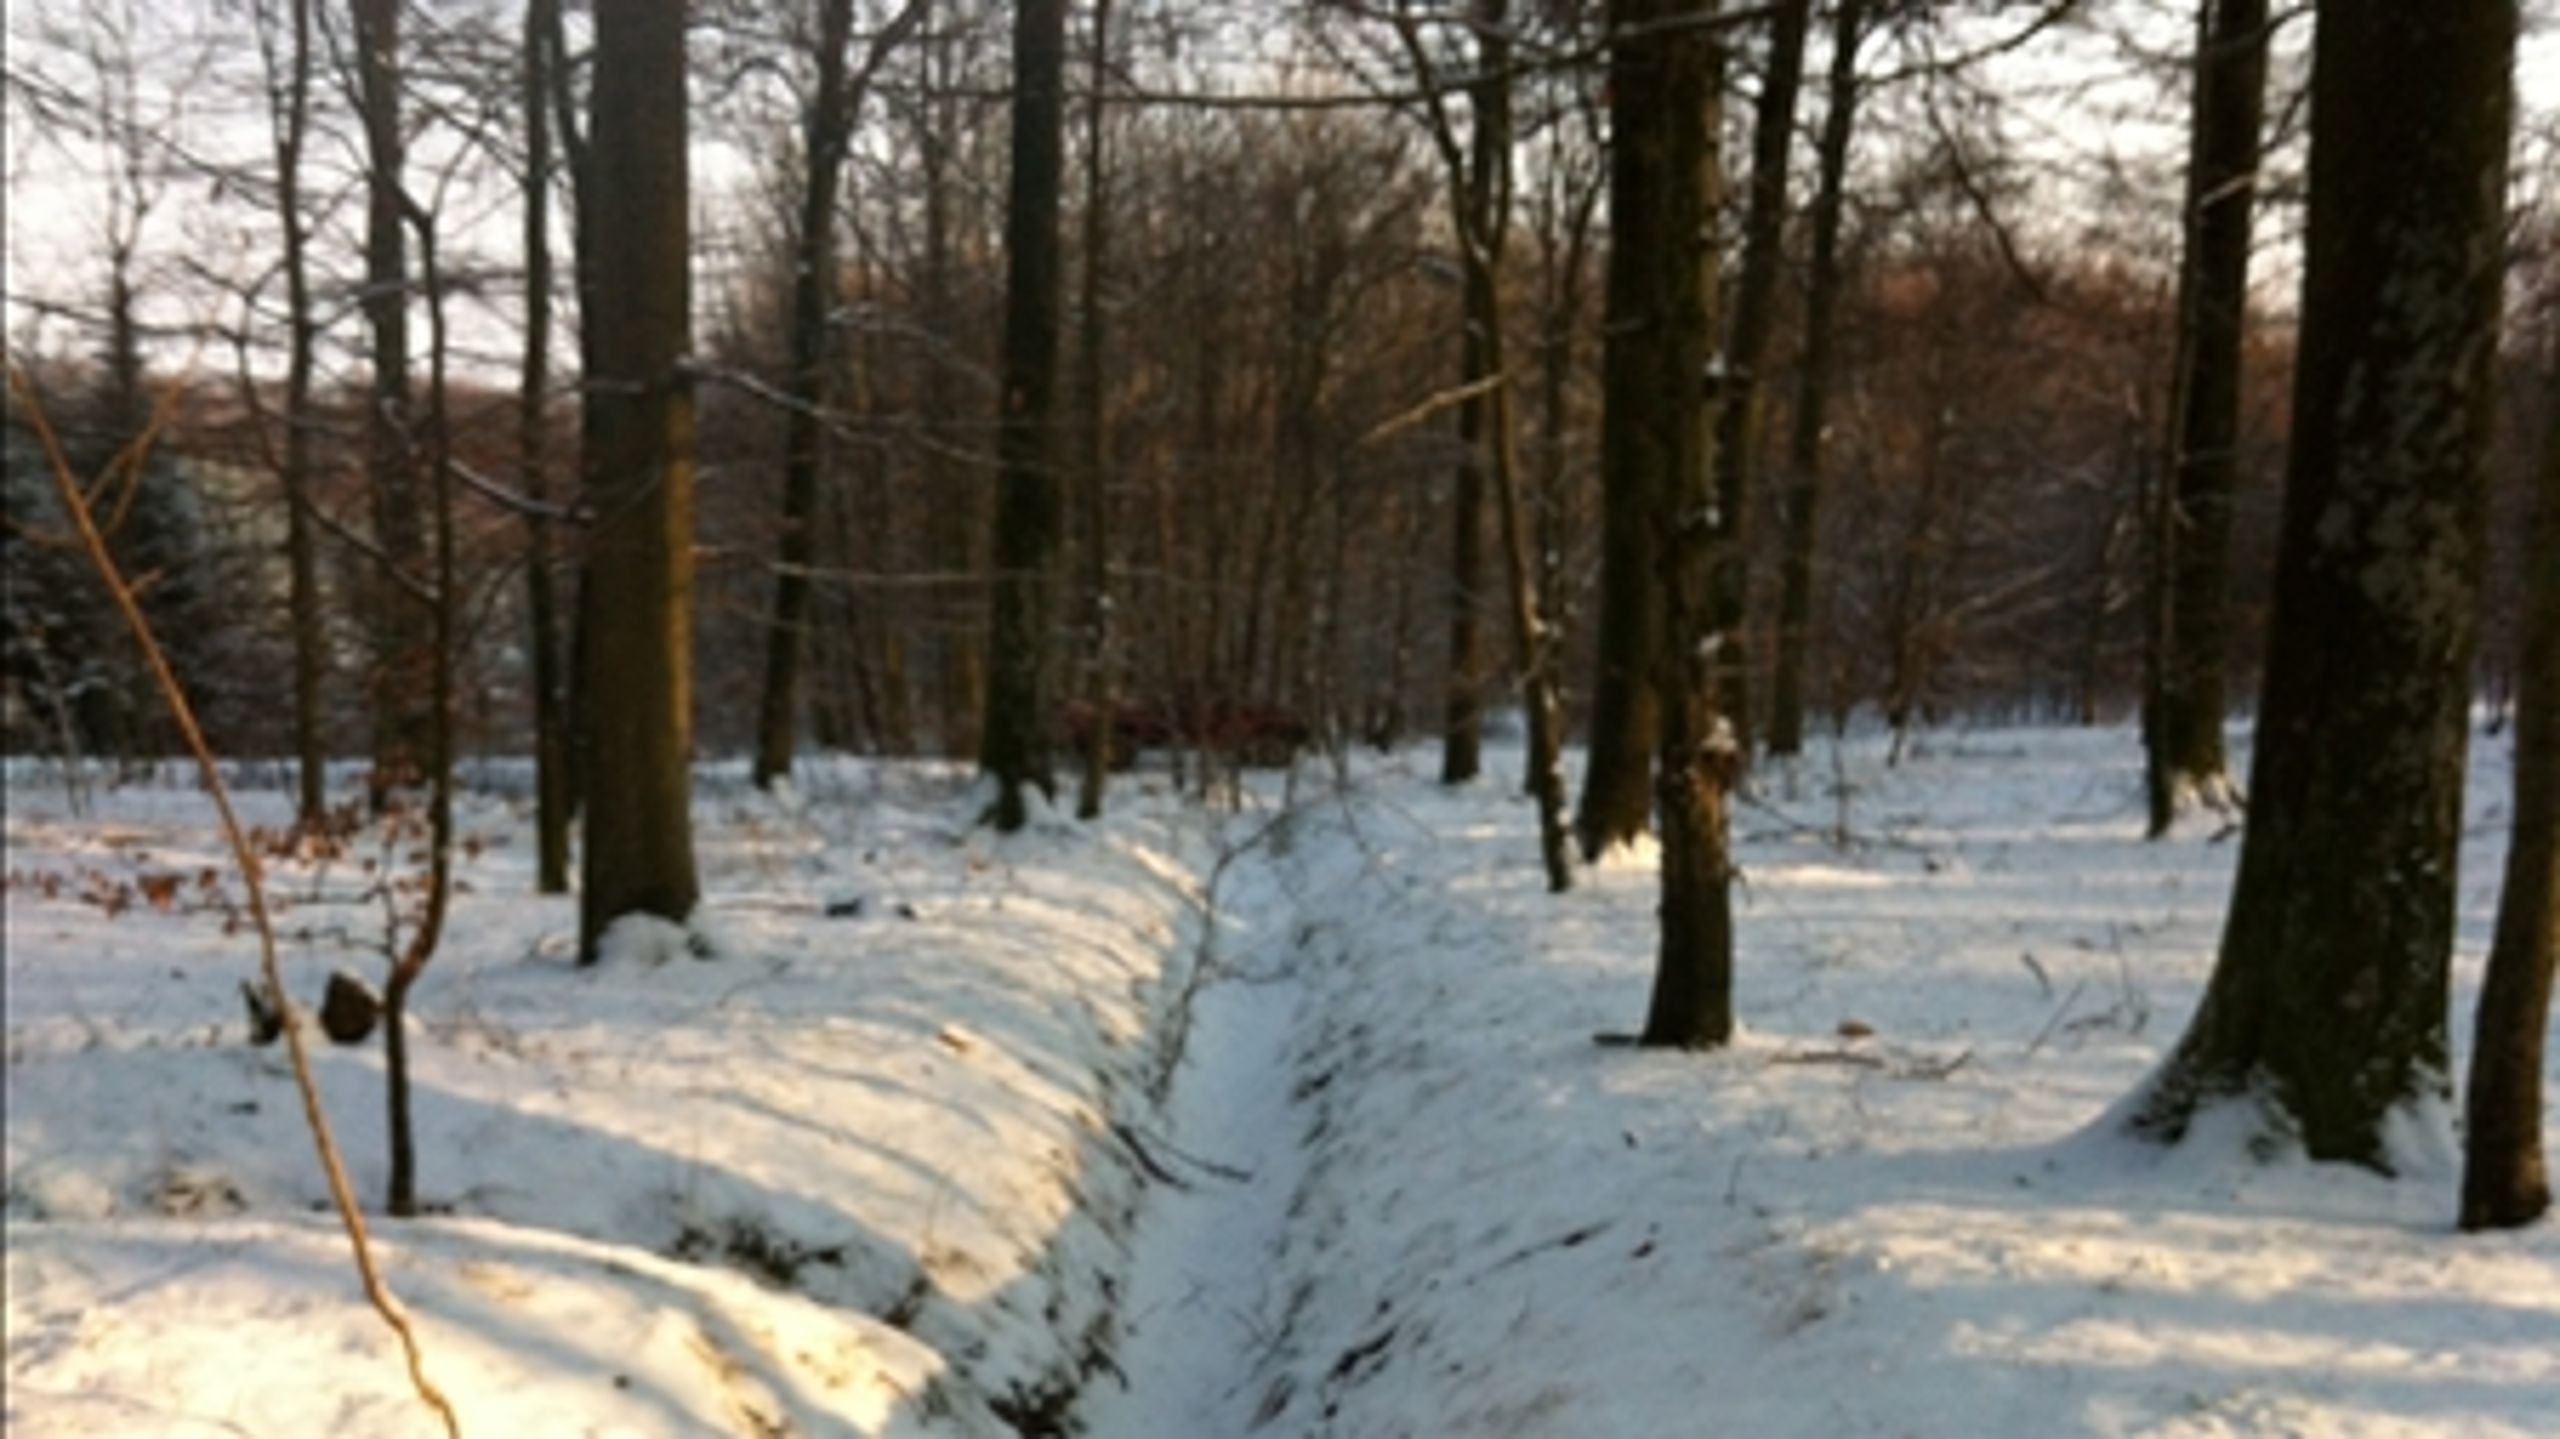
(341, 1192)
(1430, 405)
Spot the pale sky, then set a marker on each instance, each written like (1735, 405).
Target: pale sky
(56, 213)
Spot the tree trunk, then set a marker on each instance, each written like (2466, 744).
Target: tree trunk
(310, 733)
(1617, 798)
(1100, 700)
(1014, 748)
(2328, 1001)
(1773, 128)
(1656, 439)
(403, 1198)
(1486, 195)
(1813, 384)
(550, 736)
(960, 678)
(574, 706)
(2504, 1183)
(401, 660)
(825, 132)
(1480, 191)
(2193, 524)
(638, 603)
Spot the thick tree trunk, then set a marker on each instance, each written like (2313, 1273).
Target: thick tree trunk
(825, 132)
(1617, 796)
(2192, 527)
(1014, 750)
(2328, 1001)
(401, 660)
(637, 608)
(550, 722)
(2504, 1182)
(1656, 439)
(1773, 122)
(1813, 385)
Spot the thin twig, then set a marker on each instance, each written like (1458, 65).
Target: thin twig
(341, 1192)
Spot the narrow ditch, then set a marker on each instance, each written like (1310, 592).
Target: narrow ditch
(1206, 1302)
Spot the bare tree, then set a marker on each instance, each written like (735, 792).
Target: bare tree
(1014, 748)
(1773, 128)
(289, 111)
(401, 658)
(1666, 95)
(1100, 690)
(827, 130)
(551, 737)
(1479, 181)
(1803, 500)
(2191, 523)
(636, 606)
(2504, 1180)
(2327, 1004)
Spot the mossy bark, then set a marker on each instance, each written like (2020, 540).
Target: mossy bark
(2329, 996)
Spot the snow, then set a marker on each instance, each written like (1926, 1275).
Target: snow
(1285, 1121)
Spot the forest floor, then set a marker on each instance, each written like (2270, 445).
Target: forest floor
(1284, 1121)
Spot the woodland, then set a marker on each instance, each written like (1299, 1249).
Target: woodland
(1048, 649)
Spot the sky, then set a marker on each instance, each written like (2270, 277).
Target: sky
(201, 248)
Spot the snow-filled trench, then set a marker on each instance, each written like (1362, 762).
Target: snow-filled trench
(1285, 1122)
(1418, 1200)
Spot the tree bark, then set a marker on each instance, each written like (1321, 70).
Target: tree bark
(573, 155)
(1813, 384)
(1657, 442)
(1100, 699)
(826, 131)
(1486, 195)
(1480, 190)
(960, 670)
(638, 603)
(2192, 528)
(1617, 797)
(402, 1201)
(1014, 749)
(1773, 122)
(550, 723)
(401, 660)
(2504, 1181)
(310, 734)
(2327, 1004)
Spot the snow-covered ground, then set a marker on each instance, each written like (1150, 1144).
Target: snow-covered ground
(912, 1169)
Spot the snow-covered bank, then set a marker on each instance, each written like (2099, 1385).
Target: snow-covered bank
(1880, 1212)
(860, 1170)
(893, 1161)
